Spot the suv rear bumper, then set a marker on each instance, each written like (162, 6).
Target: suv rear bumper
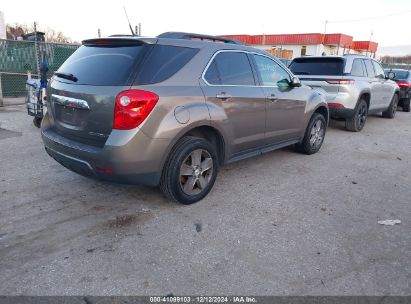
(133, 159)
(340, 112)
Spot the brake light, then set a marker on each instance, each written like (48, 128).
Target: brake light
(337, 105)
(104, 170)
(340, 81)
(404, 84)
(132, 107)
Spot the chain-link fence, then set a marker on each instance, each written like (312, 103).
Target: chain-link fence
(20, 60)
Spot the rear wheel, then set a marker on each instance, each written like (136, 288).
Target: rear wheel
(190, 171)
(392, 109)
(357, 122)
(406, 104)
(314, 135)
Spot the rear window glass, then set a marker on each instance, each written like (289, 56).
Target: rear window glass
(230, 68)
(317, 66)
(120, 65)
(400, 74)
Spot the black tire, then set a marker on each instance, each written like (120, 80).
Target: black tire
(357, 122)
(37, 122)
(313, 137)
(172, 182)
(392, 109)
(406, 104)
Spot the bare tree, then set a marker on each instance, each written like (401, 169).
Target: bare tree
(17, 30)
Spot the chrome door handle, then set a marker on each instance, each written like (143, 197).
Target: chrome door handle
(223, 96)
(272, 98)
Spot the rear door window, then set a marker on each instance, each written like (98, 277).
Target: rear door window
(358, 68)
(317, 66)
(230, 68)
(369, 68)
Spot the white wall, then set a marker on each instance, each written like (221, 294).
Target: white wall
(2, 26)
(312, 50)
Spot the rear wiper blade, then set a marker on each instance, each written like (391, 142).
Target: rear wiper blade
(301, 73)
(66, 76)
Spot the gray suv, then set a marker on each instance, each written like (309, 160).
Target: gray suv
(171, 110)
(353, 85)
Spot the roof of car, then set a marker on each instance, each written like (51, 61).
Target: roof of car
(176, 40)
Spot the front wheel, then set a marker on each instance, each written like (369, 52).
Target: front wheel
(314, 135)
(392, 109)
(357, 122)
(190, 171)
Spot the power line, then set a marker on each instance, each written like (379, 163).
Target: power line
(370, 18)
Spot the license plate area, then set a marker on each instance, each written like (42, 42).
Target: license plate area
(71, 116)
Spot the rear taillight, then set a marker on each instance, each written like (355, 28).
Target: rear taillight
(132, 108)
(336, 105)
(340, 81)
(404, 84)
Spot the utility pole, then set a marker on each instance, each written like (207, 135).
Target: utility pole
(99, 33)
(368, 47)
(36, 48)
(139, 29)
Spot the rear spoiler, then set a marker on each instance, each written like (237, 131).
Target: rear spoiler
(118, 41)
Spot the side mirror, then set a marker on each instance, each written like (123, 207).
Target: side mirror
(390, 75)
(295, 82)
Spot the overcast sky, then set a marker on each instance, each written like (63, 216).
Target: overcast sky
(81, 19)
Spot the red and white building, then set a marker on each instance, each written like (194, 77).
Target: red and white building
(296, 45)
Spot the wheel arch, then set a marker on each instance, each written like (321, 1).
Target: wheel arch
(205, 131)
(366, 95)
(323, 110)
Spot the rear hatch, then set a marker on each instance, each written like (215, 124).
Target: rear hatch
(325, 74)
(83, 91)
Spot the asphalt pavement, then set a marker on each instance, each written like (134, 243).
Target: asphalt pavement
(279, 224)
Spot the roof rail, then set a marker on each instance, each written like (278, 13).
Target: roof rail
(192, 36)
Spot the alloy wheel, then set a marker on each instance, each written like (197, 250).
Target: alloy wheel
(196, 171)
(362, 116)
(317, 134)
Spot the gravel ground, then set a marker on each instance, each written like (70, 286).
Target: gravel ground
(279, 224)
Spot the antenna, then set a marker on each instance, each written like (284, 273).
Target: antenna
(129, 24)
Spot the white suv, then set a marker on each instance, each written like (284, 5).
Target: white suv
(353, 85)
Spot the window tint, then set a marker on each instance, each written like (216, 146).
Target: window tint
(163, 62)
(119, 65)
(357, 68)
(317, 66)
(230, 68)
(379, 71)
(97, 65)
(271, 73)
(212, 75)
(369, 68)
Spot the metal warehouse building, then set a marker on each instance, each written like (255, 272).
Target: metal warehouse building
(295, 45)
